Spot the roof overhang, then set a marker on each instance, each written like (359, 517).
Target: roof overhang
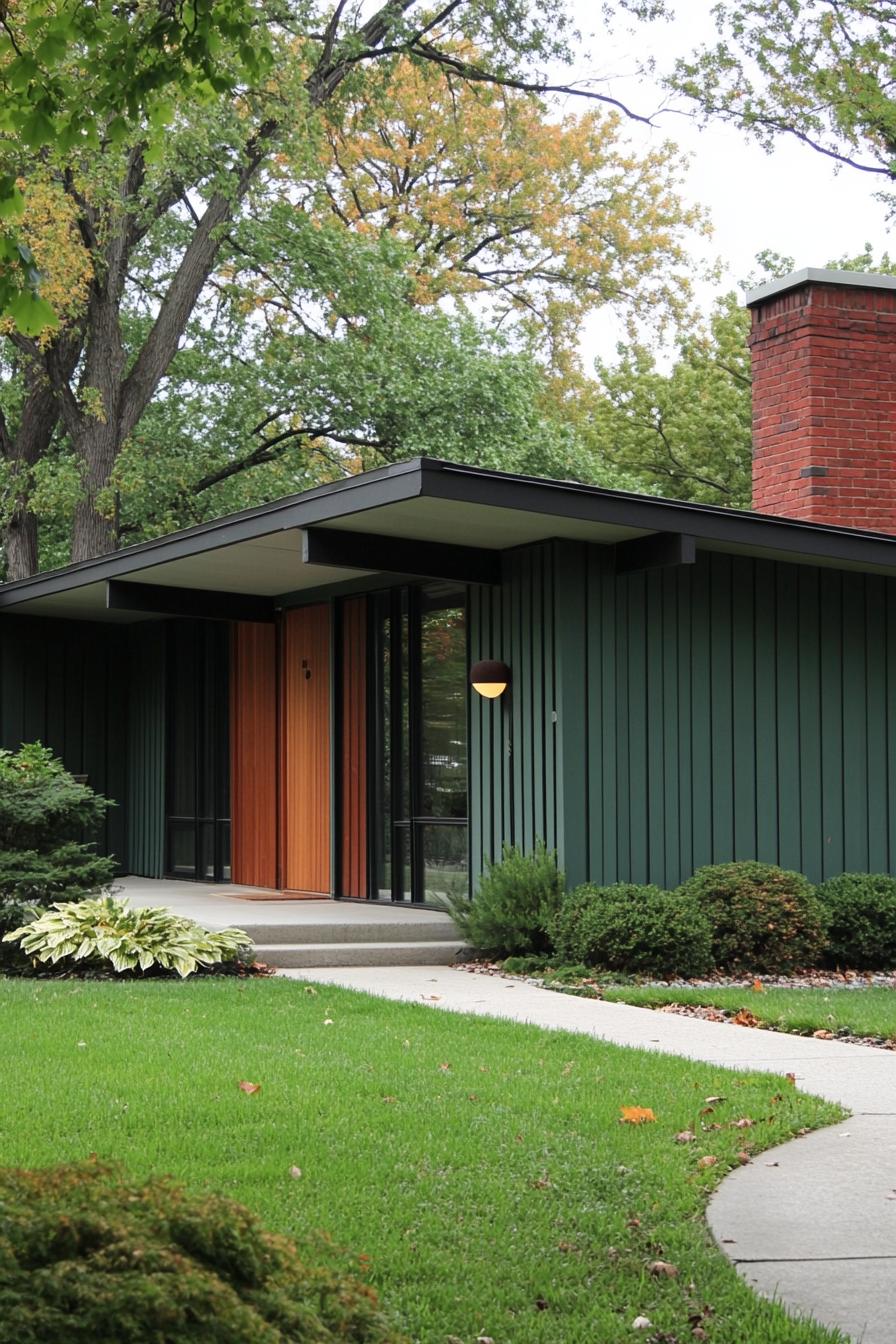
(423, 518)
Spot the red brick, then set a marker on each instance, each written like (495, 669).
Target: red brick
(824, 395)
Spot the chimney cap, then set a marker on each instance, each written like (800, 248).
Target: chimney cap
(818, 276)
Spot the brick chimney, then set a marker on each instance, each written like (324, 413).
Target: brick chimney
(823, 349)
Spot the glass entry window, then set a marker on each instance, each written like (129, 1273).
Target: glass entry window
(419, 747)
(198, 783)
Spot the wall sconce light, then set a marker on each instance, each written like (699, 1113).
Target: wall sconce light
(490, 678)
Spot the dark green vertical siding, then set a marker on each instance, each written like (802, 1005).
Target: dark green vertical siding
(736, 708)
(64, 683)
(514, 765)
(146, 751)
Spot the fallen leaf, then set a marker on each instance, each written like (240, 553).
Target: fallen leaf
(543, 1183)
(663, 1270)
(295, 1173)
(444, 1068)
(484, 1339)
(743, 1157)
(541, 1304)
(758, 987)
(771, 1164)
(707, 1161)
(712, 1101)
(745, 1019)
(309, 989)
(432, 998)
(633, 1222)
(791, 1078)
(249, 1088)
(328, 1021)
(686, 1136)
(699, 1333)
(636, 1115)
(389, 1100)
(823, 1035)
(642, 1323)
(743, 1123)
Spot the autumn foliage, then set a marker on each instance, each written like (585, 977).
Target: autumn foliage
(86, 1253)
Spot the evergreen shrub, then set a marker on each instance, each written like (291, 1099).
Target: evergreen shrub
(516, 900)
(88, 1254)
(860, 915)
(44, 815)
(763, 918)
(638, 930)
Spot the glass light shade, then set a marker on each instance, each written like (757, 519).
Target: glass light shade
(490, 689)
(490, 678)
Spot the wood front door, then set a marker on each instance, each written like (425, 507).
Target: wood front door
(305, 799)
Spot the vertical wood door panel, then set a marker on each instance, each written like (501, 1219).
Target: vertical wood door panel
(353, 852)
(305, 750)
(253, 729)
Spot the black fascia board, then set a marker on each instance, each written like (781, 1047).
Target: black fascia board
(354, 494)
(704, 522)
(159, 599)
(342, 549)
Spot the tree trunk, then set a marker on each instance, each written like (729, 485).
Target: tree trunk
(20, 545)
(23, 451)
(95, 530)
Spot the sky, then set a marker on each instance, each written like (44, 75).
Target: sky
(791, 201)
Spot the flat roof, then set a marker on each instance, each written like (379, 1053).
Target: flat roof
(259, 552)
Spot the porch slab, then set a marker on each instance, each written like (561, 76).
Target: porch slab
(218, 906)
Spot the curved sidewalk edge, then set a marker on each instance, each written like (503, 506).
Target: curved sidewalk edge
(812, 1223)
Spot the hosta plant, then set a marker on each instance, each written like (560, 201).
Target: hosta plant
(105, 929)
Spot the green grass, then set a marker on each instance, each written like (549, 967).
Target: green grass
(865, 1012)
(480, 1165)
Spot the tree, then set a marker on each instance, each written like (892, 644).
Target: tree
(214, 242)
(127, 67)
(536, 221)
(822, 72)
(686, 432)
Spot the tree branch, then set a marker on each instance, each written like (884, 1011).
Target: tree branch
(195, 267)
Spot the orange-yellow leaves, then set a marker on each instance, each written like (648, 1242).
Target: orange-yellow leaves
(636, 1115)
(249, 1088)
(495, 197)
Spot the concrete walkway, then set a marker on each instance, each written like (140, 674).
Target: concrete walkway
(818, 1229)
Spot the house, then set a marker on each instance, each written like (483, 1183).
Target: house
(281, 697)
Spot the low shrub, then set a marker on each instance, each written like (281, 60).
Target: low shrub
(638, 930)
(763, 918)
(860, 914)
(104, 931)
(88, 1254)
(516, 900)
(44, 813)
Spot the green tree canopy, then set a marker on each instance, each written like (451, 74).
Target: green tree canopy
(227, 326)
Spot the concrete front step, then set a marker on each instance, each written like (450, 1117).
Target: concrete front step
(420, 953)
(436, 929)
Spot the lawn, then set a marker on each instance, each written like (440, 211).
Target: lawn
(864, 1012)
(476, 1171)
